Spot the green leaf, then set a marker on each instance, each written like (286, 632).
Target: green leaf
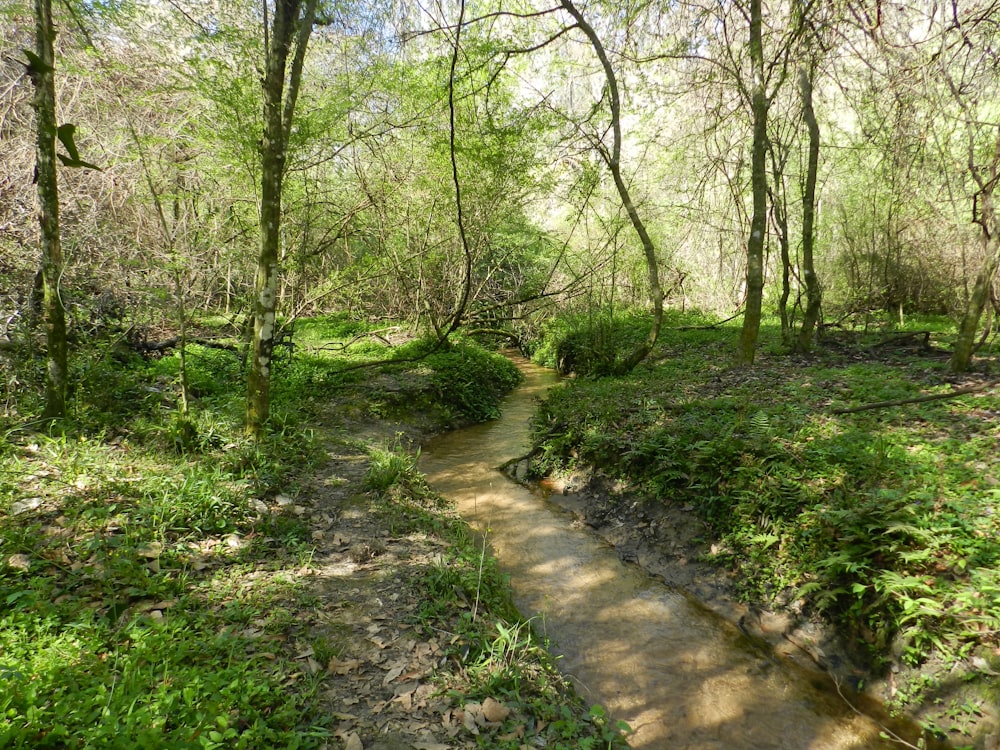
(77, 163)
(35, 63)
(65, 134)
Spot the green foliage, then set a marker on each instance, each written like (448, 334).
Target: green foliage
(884, 522)
(466, 378)
(590, 343)
(180, 683)
(390, 465)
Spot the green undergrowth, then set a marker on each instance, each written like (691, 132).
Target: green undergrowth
(495, 653)
(884, 521)
(148, 594)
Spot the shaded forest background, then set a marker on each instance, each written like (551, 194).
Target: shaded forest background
(455, 165)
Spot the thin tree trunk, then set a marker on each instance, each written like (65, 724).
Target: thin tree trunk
(279, 108)
(814, 293)
(779, 208)
(759, 105)
(42, 71)
(613, 160)
(965, 345)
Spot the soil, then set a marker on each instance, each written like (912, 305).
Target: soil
(385, 693)
(669, 542)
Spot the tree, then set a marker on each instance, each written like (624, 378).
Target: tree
(759, 105)
(41, 67)
(612, 158)
(288, 34)
(967, 62)
(810, 318)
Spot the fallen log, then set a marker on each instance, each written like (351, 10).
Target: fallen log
(919, 399)
(159, 346)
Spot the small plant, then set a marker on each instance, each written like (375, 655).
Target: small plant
(390, 465)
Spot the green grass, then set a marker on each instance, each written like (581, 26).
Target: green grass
(145, 600)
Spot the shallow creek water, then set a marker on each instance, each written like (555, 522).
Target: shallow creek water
(683, 678)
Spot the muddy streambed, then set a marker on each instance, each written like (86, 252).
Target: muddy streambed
(680, 675)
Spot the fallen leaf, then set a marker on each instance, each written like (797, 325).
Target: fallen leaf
(23, 506)
(353, 742)
(392, 674)
(151, 550)
(495, 711)
(342, 667)
(469, 719)
(19, 562)
(430, 746)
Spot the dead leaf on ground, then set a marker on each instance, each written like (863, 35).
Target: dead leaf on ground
(19, 562)
(393, 673)
(353, 742)
(494, 711)
(342, 667)
(151, 550)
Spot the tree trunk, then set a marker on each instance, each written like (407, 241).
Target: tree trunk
(779, 214)
(279, 107)
(613, 159)
(42, 70)
(814, 293)
(759, 105)
(965, 345)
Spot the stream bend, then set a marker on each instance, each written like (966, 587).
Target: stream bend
(682, 677)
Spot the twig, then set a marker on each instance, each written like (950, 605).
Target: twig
(888, 732)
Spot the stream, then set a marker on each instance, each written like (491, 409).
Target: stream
(681, 676)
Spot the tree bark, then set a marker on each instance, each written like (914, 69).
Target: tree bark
(279, 108)
(759, 105)
(814, 293)
(42, 70)
(965, 345)
(613, 160)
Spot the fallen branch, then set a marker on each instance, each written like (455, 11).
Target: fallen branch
(159, 346)
(710, 326)
(337, 346)
(904, 337)
(919, 399)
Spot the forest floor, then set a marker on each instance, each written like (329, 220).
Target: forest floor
(310, 593)
(164, 582)
(700, 478)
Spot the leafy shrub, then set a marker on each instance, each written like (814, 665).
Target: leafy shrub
(591, 343)
(471, 380)
(389, 465)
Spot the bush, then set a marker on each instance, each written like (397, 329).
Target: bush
(466, 378)
(591, 343)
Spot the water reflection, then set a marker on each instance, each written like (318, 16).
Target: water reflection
(683, 678)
